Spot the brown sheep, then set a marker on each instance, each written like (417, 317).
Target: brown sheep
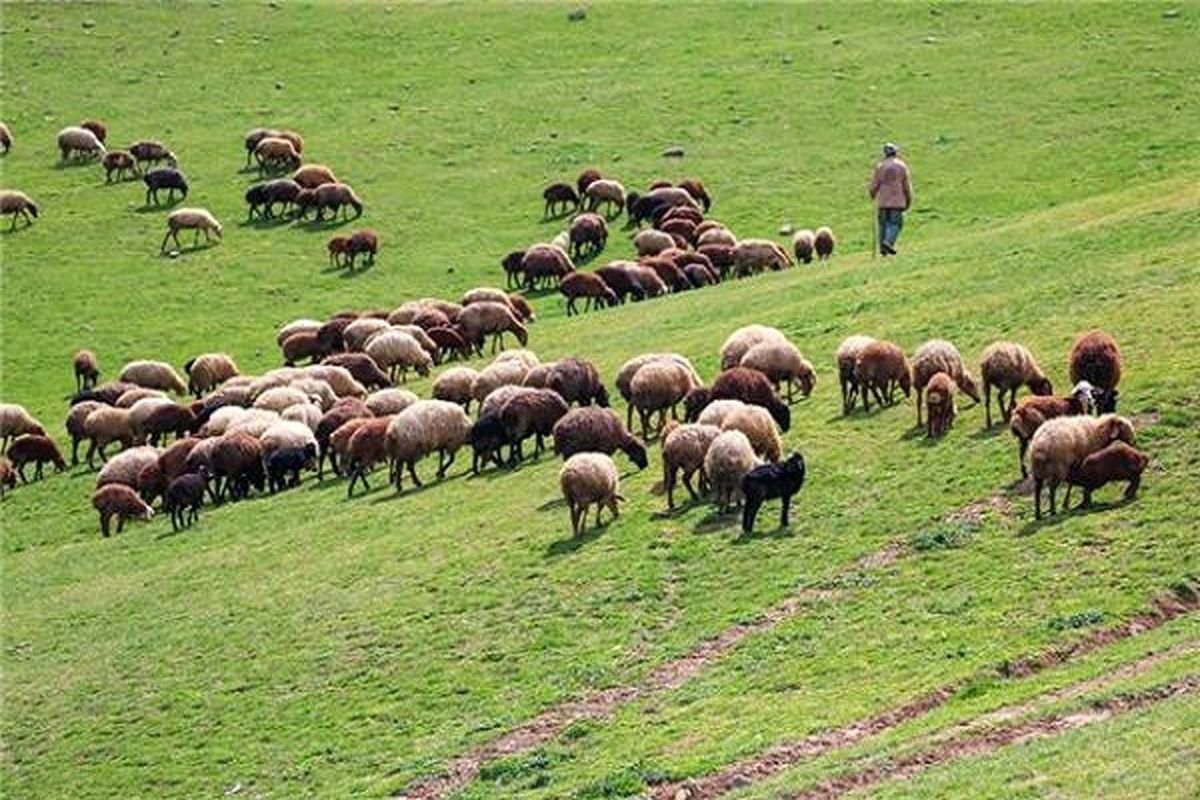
(719, 255)
(237, 465)
(940, 399)
(544, 263)
(8, 476)
(148, 151)
(531, 414)
(589, 286)
(1117, 462)
(750, 386)
(98, 128)
(1095, 358)
(87, 370)
(1007, 366)
(880, 368)
(339, 248)
(328, 196)
(120, 162)
(311, 176)
(823, 243)
(365, 241)
(939, 355)
(621, 283)
(480, 320)
(274, 153)
(586, 179)
(118, 500)
(559, 194)
(577, 381)
(450, 344)
(596, 430)
(18, 205)
(302, 345)
(368, 446)
(588, 231)
(35, 449)
(671, 275)
(692, 215)
(1031, 412)
(697, 190)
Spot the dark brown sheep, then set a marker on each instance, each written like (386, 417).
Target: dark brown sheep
(118, 500)
(599, 430)
(301, 345)
(37, 450)
(119, 162)
(619, 281)
(1116, 462)
(87, 370)
(151, 152)
(588, 234)
(431, 318)
(880, 368)
(699, 275)
(368, 447)
(647, 280)
(719, 255)
(559, 194)
(97, 127)
(671, 275)
(363, 242)
(451, 343)
(681, 229)
(693, 215)
(172, 462)
(697, 190)
(751, 386)
(589, 286)
(106, 393)
(514, 269)
(362, 368)
(330, 334)
(151, 483)
(521, 307)
(237, 465)
(184, 497)
(586, 179)
(577, 380)
(1095, 358)
(176, 419)
(528, 414)
(545, 264)
(343, 411)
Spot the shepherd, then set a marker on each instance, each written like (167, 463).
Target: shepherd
(891, 190)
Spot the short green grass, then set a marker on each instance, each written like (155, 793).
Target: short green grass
(309, 646)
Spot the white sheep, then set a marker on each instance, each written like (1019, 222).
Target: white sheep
(738, 343)
(717, 235)
(125, 466)
(256, 422)
(526, 357)
(308, 414)
(782, 362)
(657, 387)
(278, 398)
(193, 219)
(338, 378)
(454, 385)
(153, 375)
(589, 479)
(728, 460)
(605, 192)
(717, 411)
(416, 332)
(387, 402)
(683, 450)
(629, 369)
(760, 429)
(427, 426)
(317, 390)
(286, 434)
(356, 334)
(74, 141)
(221, 420)
(297, 326)
(396, 351)
(495, 375)
(272, 379)
(16, 421)
(1063, 442)
(651, 242)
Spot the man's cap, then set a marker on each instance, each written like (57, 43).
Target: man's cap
(890, 149)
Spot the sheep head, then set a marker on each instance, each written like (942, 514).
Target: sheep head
(1040, 386)
(968, 386)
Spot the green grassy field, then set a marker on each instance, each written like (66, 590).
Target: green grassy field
(306, 645)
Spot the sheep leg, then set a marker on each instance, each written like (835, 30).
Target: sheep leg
(1053, 498)
(104, 518)
(412, 472)
(787, 507)
(687, 482)
(987, 408)
(74, 451)
(750, 511)
(1022, 446)
(443, 467)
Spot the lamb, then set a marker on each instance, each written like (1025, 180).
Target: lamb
(940, 399)
(752, 256)
(1063, 442)
(126, 466)
(331, 196)
(1095, 358)
(454, 385)
(753, 388)
(185, 495)
(153, 375)
(74, 424)
(362, 241)
(120, 162)
(286, 435)
(589, 479)
(79, 142)
(624, 379)
(388, 402)
(16, 421)
(738, 343)
(1116, 462)
(1007, 366)
(237, 465)
(617, 279)
(588, 231)
(544, 263)
(657, 387)
(1031, 412)
(586, 178)
(760, 429)
(168, 418)
(426, 427)
(823, 243)
(559, 194)
(104, 426)
(846, 357)
(608, 193)
(589, 286)
(939, 355)
(18, 205)
(781, 480)
(276, 153)
(881, 367)
(207, 371)
(729, 459)
(803, 245)
(119, 501)
(683, 450)
(598, 430)
(487, 439)
(314, 176)
(781, 362)
(193, 219)
(651, 242)
(283, 466)
(164, 178)
(147, 151)
(38, 450)
(480, 320)
(397, 351)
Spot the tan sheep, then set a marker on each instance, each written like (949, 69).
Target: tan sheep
(104, 426)
(657, 387)
(1007, 366)
(496, 400)
(1063, 442)
(208, 371)
(480, 320)
(125, 466)
(683, 451)
(338, 378)
(358, 332)
(846, 356)
(141, 411)
(608, 193)
(454, 385)
(528, 358)
(939, 355)
(297, 326)
(727, 461)
(193, 219)
(16, 421)
(308, 414)
(119, 501)
(276, 153)
(493, 376)
(279, 398)
(881, 368)
(318, 391)
(127, 399)
(752, 256)
(717, 234)
(427, 426)
(79, 143)
(19, 205)
(629, 369)
(388, 402)
(738, 343)
(154, 375)
(310, 176)
(589, 479)
(286, 434)
(760, 429)
(717, 411)
(651, 242)
(781, 362)
(396, 351)
(940, 401)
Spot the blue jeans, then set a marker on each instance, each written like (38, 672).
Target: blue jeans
(891, 220)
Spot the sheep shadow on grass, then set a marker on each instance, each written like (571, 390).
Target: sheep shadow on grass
(572, 543)
(322, 225)
(75, 163)
(997, 429)
(715, 521)
(778, 532)
(151, 208)
(1064, 514)
(195, 247)
(265, 223)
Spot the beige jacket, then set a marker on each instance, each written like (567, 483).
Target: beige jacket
(890, 185)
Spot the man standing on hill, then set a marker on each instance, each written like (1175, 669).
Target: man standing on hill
(892, 192)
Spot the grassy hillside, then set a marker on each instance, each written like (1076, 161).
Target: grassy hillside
(306, 645)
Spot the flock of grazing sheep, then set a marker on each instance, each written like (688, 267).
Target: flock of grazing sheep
(246, 433)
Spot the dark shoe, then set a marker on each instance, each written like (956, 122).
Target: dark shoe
(887, 249)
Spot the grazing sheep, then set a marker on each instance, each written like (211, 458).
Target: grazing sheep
(286, 435)
(683, 450)
(98, 128)
(362, 368)
(618, 279)
(624, 379)
(172, 462)
(36, 449)
(151, 152)
(284, 465)
(729, 458)
(107, 393)
(760, 429)
(338, 378)
(545, 263)
(454, 385)
(656, 202)
(122, 502)
(278, 398)
(752, 256)
(140, 412)
(537, 376)
(208, 371)
(647, 280)
(193, 219)
(494, 403)
(651, 242)
(255, 136)
(1117, 462)
(940, 401)
(657, 387)
(608, 193)
(589, 286)
(680, 230)
(164, 178)
(559, 194)
(406, 313)
(388, 402)
(127, 399)
(262, 197)
(589, 479)
(104, 426)
(275, 153)
(1031, 412)
(119, 162)
(480, 320)
(781, 362)
(719, 255)
(577, 381)
(74, 425)
(722, 236)
(1095, 358)
(717, 411)
(79, 143)
(184, 497)
(18, 205)
(753, 388)
(328, 196)
(397, 351)
(297, 326)
(153, 375)
(8, 476)
(1007, 366)
(16, 421)
(200, 458)
(487, 439)
(221, 420)
(307, 414)
(738, 343)
(151, 484)
(513, 269)
(6, 139)
(280, 376)
(344, 411)
(237, 465)
(168, 418)
(126, 466)
(1064, 442)
(823, 243)
(939, 355)
(698, 191)
(530, 413)
(588, 231)
(768, 481)
(804, 245)
(311, 176)
(302, 345)
(586, 179)
(692, 215)
(846, 357)
(597, 430)
(669, 274)
(699, 275)
(881, 366)
(427, 426)
(255, 421)
(364, 241)
(356, 334)
(87, 369)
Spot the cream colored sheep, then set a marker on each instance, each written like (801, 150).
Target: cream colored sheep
(19, 205)
(416, 332)
(280, 376)
(396, 351)
(846, 356)
(495, 375)
(338, 378)
(781, 362)
(760, 429)
(727, 461)
(208, 371)
(287, 434)
(651, 242)
(256, 422)
(526, 357)
(629, 369)
(16, 421)
(125, 466)
(279, 398)
(358, 332)
(589, 479)
(1007, 366)
(388, 402)
(1063, 442)
(193, 219)
(318, 391)
(605, 192)
(717, 411)
(140, 411)
(657, 387)
(454, 385)
(427, 426)
(127, 399)
(297, 326)
(308, 414)
(220, 420)
(717, 235)
(683, 450)
(738, 343)
(153, 375)
(74, 141)
(939, 355)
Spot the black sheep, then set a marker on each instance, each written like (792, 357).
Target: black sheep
(184, 497)
(164, 178)
(769, 481)
(488, 435)
(559, 194)
(284, 466)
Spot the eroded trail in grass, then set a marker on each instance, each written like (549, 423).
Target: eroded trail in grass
(669, 675)
(776, 759)
(993, 739)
